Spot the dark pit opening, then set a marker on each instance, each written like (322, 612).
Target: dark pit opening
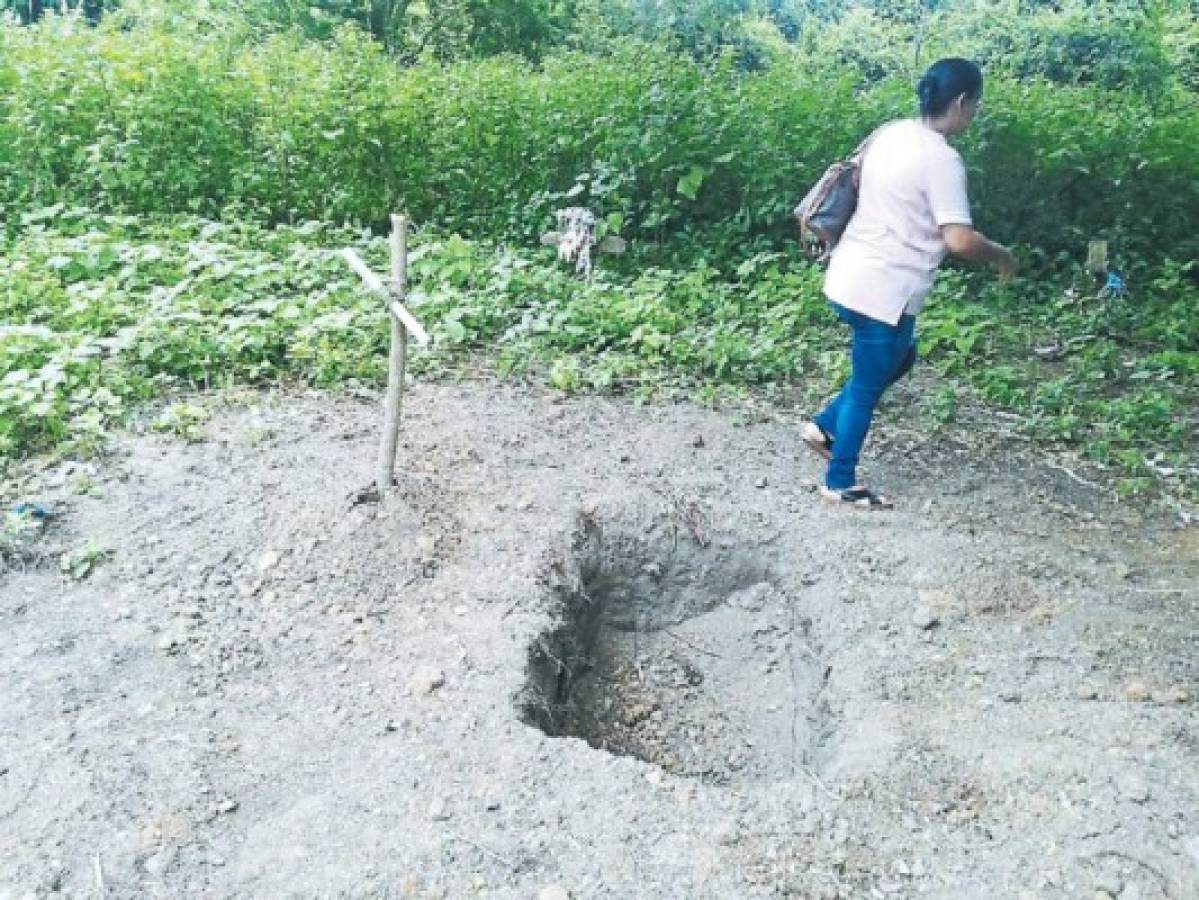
(686, 656)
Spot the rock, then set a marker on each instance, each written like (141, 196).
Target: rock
(553, 892)
(425, 681)
(169, 828)
(160, 861)
(1107, 883)
(923, 618)
(933, 597)
(726, 832)
(268, 561)
(752, 598)
(172, 638)
(1171, 695)
(1136, 692)
(1132, 787)
(439, 810)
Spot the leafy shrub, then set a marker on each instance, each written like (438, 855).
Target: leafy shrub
(704, 158)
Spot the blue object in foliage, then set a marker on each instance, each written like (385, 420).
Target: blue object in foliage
(1115, 284)
(33, 510)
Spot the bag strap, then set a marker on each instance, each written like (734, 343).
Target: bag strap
(867, 141)
(861, 149)
(855, 158)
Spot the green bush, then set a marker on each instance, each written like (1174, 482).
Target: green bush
(706, 158)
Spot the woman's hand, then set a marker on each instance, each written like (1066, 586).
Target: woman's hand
(1006, 264)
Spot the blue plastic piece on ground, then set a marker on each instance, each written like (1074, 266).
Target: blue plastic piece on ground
(33, 510)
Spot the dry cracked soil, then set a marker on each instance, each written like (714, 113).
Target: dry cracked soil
(588, 649)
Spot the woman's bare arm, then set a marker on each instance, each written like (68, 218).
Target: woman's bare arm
(964, 241)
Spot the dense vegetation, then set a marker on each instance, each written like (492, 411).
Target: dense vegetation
(163, 173)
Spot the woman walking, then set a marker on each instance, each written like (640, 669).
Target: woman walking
(912, 210)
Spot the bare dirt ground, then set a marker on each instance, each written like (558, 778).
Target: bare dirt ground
(590, 650)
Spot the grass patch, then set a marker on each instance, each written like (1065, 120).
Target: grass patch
(109, 312)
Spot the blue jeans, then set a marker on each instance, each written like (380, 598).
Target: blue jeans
(880, 355)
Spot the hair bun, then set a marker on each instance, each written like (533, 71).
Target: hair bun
(946, 79)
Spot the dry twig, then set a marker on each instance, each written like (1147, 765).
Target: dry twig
(1081, 480)
(515, 867)
(695, 647)
(98, 868)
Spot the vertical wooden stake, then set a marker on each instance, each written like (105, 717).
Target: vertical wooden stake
(398, 359)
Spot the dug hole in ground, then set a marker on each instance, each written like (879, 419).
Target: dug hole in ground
(591, 650)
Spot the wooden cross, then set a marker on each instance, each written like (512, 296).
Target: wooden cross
(403, 323)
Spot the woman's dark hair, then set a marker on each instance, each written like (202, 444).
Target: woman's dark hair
(946, 80)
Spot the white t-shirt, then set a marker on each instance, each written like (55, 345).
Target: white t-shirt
(912, 183)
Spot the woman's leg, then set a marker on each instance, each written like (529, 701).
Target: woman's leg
(826, 419)
(905, 364)
(880, 355)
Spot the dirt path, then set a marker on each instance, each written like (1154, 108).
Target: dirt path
(272, 689)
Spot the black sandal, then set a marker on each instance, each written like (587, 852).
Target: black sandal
(857, 498)
(818, 440)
